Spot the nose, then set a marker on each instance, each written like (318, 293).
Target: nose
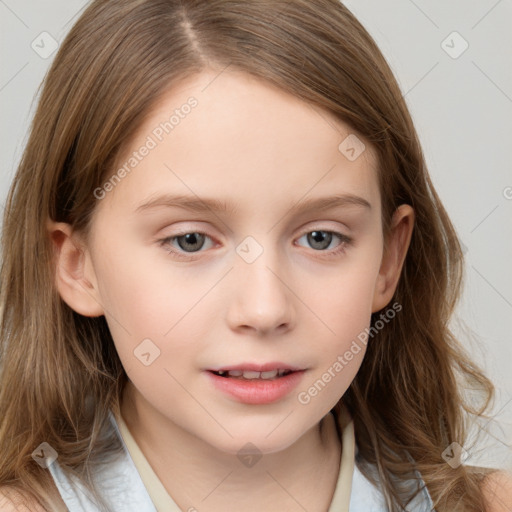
(262, 297)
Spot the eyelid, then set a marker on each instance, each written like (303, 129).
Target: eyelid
(345, 241)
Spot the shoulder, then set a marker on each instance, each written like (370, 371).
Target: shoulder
(14, 501)
(497, 489)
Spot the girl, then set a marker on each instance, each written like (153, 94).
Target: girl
(299, 358)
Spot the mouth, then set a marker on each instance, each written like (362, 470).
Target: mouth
(253, 375)
(256, 384)
(256, 371)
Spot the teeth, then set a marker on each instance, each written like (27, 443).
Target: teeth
(250, 375)
(269, 375)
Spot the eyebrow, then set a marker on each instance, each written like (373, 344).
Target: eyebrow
(204, 205)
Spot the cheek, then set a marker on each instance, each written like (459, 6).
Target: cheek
(340, 338)
(146, 294)
(344, 307)
(343, 299)
(158, 308)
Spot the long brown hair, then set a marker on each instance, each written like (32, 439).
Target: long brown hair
(60, 372)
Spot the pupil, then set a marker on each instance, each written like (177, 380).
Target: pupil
(314, 235)
(190, 238)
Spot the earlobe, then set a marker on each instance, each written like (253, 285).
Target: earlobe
(74, 273)
(393, 258)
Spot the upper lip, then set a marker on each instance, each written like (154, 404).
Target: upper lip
(255, 367)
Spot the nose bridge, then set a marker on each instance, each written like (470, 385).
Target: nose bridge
(261, 298)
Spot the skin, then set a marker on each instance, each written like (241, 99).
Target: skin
(246, 142)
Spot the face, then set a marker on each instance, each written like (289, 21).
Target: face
(186, 289)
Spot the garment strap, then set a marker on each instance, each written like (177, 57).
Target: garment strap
(118, 482)
(365, 497)
(122, 488)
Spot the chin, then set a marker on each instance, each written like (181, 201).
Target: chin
(257, 441)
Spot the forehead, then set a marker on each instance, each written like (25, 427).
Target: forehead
(243, 140)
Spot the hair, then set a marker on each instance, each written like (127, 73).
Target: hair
(60, 372)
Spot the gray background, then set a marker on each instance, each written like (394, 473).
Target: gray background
(462, 107)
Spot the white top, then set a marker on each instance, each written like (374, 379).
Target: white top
(129, 484)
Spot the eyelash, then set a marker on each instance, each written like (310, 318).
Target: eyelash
(345, 241)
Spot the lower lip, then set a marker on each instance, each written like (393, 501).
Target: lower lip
(257, 391)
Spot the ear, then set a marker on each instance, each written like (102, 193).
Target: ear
(74, 273)
(393, 258)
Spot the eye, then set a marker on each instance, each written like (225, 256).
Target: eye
(189, 242)
(192, 242)
(321, 239)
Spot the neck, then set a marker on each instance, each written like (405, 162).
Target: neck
(196, 474)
